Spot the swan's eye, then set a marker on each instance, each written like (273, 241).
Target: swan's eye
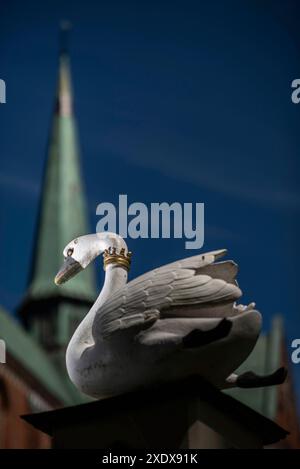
(70, 252)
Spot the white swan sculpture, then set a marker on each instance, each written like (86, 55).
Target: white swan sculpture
(177, 320)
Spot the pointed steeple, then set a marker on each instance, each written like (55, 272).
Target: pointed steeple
(62, 217)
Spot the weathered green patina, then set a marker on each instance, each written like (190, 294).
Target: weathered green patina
(62, 214)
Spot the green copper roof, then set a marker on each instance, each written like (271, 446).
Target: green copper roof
(25, 350)
(62, 214)
(264, 359)
(31, 356)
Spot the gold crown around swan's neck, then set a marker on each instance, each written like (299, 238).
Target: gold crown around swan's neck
(111, 256)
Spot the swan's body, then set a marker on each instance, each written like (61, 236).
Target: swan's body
(167, 324)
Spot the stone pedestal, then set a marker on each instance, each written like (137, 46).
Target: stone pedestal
(180, 415)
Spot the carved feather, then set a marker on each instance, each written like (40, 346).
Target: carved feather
(195, 283)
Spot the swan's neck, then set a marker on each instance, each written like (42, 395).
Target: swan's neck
(115, 278)
(115, 275)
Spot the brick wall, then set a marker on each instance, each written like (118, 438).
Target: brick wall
(15, 400)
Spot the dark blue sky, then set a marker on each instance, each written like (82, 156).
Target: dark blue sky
(175, 101)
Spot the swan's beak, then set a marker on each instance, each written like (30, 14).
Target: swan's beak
(69, 268)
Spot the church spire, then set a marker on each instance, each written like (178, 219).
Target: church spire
(62, 214)
(64, 104)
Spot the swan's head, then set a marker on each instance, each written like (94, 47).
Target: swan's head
(80, 252)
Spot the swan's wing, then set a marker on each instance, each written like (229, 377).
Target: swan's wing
(194, 283)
